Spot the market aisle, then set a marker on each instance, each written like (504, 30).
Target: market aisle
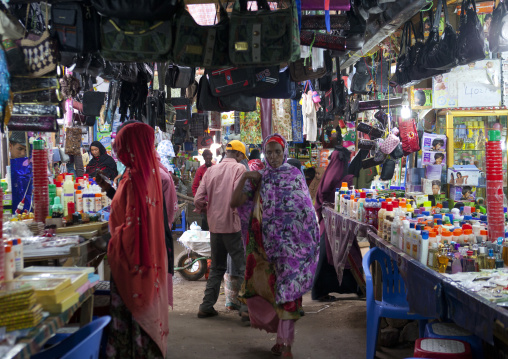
(336, 332)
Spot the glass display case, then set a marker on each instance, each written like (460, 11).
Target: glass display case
(467, 133)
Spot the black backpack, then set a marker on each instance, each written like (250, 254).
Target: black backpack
(76, 26)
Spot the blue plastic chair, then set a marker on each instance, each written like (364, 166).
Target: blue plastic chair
(394, 303)
(84, 344)
(181, 227)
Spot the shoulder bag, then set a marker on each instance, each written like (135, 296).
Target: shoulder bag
(135, 41)
(301, 70)
(208, 102)
(263, 37)
(498, 39)
(201, 46)
(284, 89)
(470, 42)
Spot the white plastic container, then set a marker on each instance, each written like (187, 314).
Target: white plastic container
(10, 266)
(18, 254)
(424, 247)
(68, 193)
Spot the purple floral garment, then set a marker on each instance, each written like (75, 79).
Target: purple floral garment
(289, 227)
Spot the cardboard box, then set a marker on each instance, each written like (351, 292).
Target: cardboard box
(463, 193)
(463, 175)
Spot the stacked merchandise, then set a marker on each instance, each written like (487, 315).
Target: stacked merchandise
(495, 194)
(74, 273)
(40, 186)
(18, 309)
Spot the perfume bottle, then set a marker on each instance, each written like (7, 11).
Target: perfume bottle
(443, 259)
(491, 260)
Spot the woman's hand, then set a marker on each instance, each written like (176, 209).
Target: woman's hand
(254, 176)
(101, 181)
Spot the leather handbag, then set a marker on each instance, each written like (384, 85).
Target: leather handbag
(36, 109)
(263, 37)
(135, 41)
(179, 76)
(370, 130)
(76, 26)
(382, 117)
(208, 102)
(439, 51)
(397, 152)
(136, 10)
(93, 102)
(301, 70)
(339, 92)
(284, 89)
(498, 39)
(41, 55)
(409, 137)
(201, 46)
(388, 170)
(403, 69)
(470, 42)
(364, 144)
(33, 123)
(390, 142)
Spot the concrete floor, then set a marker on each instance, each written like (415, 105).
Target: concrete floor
(328, 330)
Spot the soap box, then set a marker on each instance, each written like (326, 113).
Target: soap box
(463, 193)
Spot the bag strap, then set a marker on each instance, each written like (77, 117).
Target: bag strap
(115, 25)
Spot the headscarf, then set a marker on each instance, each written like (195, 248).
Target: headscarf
(166, 151)
(104, 162)
(137, 250)
(289, 227)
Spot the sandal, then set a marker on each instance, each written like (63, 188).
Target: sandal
(328, 299)
(276, 350)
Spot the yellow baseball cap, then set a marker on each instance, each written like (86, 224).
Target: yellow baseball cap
(236, 145)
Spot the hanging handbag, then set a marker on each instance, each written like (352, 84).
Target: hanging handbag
(339, 93)
(364, 144)
(409, 136)
(263, 37)
(390, 142)
(388, 170)
(498, 38)
(135, 40)
(361, 78)
(201, 46)
(284, 89)
(230, 81)
(93, 102)
(397, 152)
(208, 102)
(369, 130)
(207, 141)
(136, 10)
(152, 105)
(33, 123)
(198, 124)
(180, 76)
(73, 141)
(40, 55)
(182, 107)
(382, 117)
(301, 70)
(36, 109)
(76, 26)
(14, 56)
(326, 41)
(403, 69)
(470, 42)
(439, 51)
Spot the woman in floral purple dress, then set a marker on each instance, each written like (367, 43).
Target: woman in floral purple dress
(282, 245)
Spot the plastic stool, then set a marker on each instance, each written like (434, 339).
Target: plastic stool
(453, 331)
(442, 349)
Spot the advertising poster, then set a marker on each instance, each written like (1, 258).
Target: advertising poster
(434, 149)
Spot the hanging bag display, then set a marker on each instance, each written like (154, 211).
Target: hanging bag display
(361, 78)
(76, 26)
(498, 33)
(263, 37)
(137, 10)
(180, 76)
(93, 102)
(301, 70)
(40, 55)
(284, 89)
(409, 137)
(201, 46)
(207, 102)
(391, 142)
(135, 40)
(233, 80)
(73, 141)
(182, 107)
(372, 131)
(470, 42)
(388, 170)
(403, 68)
(339, 93)
(439, 51)
(198, 124)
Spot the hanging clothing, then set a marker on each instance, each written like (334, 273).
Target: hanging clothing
(167, 153)
(309, 117)
(281, 118)
(137, 250)
(103, 162)
(282, 247)
(250, 125)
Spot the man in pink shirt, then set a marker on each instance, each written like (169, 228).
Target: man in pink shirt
(200, 173)
(213, 196)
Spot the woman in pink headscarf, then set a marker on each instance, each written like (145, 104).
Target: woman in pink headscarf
(137, 251)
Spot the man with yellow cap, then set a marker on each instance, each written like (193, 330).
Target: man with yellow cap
(213, 196)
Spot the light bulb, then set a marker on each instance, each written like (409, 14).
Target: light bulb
(405, 112)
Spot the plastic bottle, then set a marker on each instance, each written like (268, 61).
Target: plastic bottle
(456, 263)
(491, 260)
(432, 257)
(68, 193)
(361, 212)
(344, 188)
(52, 193)
(57, 208)
(90, 202)
(9, 265)
(404, 235)
(409, 238)
(443, 259)
(396, 226)
(79, 200)
(337, 200)
(458, 237)
(17, 247)
(98, 202)
(380, 219)
(416, 241)
(424, 247)
(469, 236)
